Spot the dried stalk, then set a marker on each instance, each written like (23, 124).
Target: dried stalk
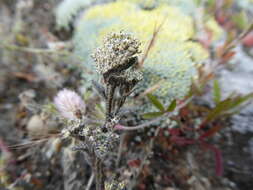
(90, 182)
(99, 174)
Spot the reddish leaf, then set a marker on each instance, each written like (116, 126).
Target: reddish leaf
(228, 56)
(181, 141)
(221, 18)
(134, 163)
(174, 132)
(248, 40)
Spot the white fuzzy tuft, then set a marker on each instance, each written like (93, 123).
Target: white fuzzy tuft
(69, 104)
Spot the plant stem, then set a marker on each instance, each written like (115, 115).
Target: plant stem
(99, 174)
(120, 149)
(34, 50)
(90, 182)
(157, 119)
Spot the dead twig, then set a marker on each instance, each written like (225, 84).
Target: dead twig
(151, 42)
(235, 41)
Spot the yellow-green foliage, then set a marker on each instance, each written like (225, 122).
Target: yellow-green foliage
(142, 23)
(213, 26)
(173, 59)
(186, 6)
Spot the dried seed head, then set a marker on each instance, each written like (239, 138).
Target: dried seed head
(115, 51)
(69, 104)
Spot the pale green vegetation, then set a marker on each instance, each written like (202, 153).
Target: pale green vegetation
(171, 62)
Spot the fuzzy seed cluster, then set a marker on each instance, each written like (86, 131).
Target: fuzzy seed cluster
(115, 51)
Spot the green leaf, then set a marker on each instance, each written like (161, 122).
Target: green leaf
(217, 111)
(216, 92)
(241, 20)
(227, 106)
(211, 3)
(172, 106)
(152, 115)
(239, 100)
(99, 111)
(155, 102)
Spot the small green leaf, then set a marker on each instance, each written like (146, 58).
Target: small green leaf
(241, 20)
(218, 110)
(238, 101)
(227, 105)
(155, 102)
(99, 111)
(216, 92)
(211, 3)
(172, 106)
(152, 115)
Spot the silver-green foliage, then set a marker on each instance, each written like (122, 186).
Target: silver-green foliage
(172, 78)
(171, 67)
(68, 9)
(172, 63)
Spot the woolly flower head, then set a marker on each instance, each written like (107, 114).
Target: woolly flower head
(115, 51)
(69, 104)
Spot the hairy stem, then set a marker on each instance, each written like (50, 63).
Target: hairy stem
(99, 174)
(157, 119)
(120, 149)
(109, 101)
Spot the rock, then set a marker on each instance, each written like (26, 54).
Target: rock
(239, 80)
(36, 127)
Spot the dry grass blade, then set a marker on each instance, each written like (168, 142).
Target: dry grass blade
(32, 142)
(151, 42)
(151, 89)
(234, 42)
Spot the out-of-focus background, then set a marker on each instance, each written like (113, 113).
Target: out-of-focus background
(191, 48)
